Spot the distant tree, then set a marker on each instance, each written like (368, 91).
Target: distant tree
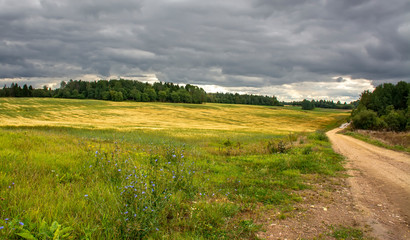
(162, 96)
(145, 97)
(175, 97)
(152, 95)
(307, 105)
(135, 95)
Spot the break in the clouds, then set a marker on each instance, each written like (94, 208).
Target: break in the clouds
(292, 49)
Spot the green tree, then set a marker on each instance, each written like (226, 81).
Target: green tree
(152, 95)
(307, 105)
(145, 97)
(175, 97)
(162, 96)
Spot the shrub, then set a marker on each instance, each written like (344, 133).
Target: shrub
(367, 119)
(276, 147)
(395, 121)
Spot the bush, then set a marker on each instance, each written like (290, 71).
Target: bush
(276, 147)
(395, 121)
(367, 119)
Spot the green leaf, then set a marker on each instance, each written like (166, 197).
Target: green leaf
(54, 226)
(66, 230)
(26, 235)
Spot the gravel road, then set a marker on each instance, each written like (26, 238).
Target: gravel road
(380, 185)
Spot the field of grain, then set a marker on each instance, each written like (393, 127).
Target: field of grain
(85, 169)
(126, 116)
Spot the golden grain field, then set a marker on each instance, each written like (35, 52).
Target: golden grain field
(125, 116)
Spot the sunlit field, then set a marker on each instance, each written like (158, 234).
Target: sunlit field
(84, 169)
(128, 116)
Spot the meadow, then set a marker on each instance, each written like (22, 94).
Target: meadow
(87, 169)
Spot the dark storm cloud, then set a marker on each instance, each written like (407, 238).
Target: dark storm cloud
(239, 43)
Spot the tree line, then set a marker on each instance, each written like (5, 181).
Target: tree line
(309, 105)
(242, 99)
(386, 108)
(121, 90)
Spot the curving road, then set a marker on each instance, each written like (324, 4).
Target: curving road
(380, 185)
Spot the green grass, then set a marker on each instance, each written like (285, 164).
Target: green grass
(74, 182)
(346, 233)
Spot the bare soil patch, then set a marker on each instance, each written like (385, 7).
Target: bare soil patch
(324, 207)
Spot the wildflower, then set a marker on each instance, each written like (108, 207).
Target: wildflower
(21, 223)
(6, 219)
(126, 212)
(143, 192)
(174, 156)
(135, 215)
(157, 229)
(119, 170)
(1, 227)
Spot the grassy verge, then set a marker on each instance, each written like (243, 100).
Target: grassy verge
(376, 142)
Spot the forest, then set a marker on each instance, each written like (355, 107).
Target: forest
(386, 108)
(131, 90)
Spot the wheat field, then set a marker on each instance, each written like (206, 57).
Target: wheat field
(126, 116)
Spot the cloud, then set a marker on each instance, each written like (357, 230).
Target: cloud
(256, 44)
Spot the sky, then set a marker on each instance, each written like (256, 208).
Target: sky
(322, 49)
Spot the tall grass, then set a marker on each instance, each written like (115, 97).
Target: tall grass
(111, 188)
(70, 182)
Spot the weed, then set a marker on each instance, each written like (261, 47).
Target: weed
(346, 233)
(275, 146)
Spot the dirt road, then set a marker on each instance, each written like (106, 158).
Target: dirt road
(380, 185)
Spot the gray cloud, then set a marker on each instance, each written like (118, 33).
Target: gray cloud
(253, 44)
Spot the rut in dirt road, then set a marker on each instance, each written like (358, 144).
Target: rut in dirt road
(380, 185)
